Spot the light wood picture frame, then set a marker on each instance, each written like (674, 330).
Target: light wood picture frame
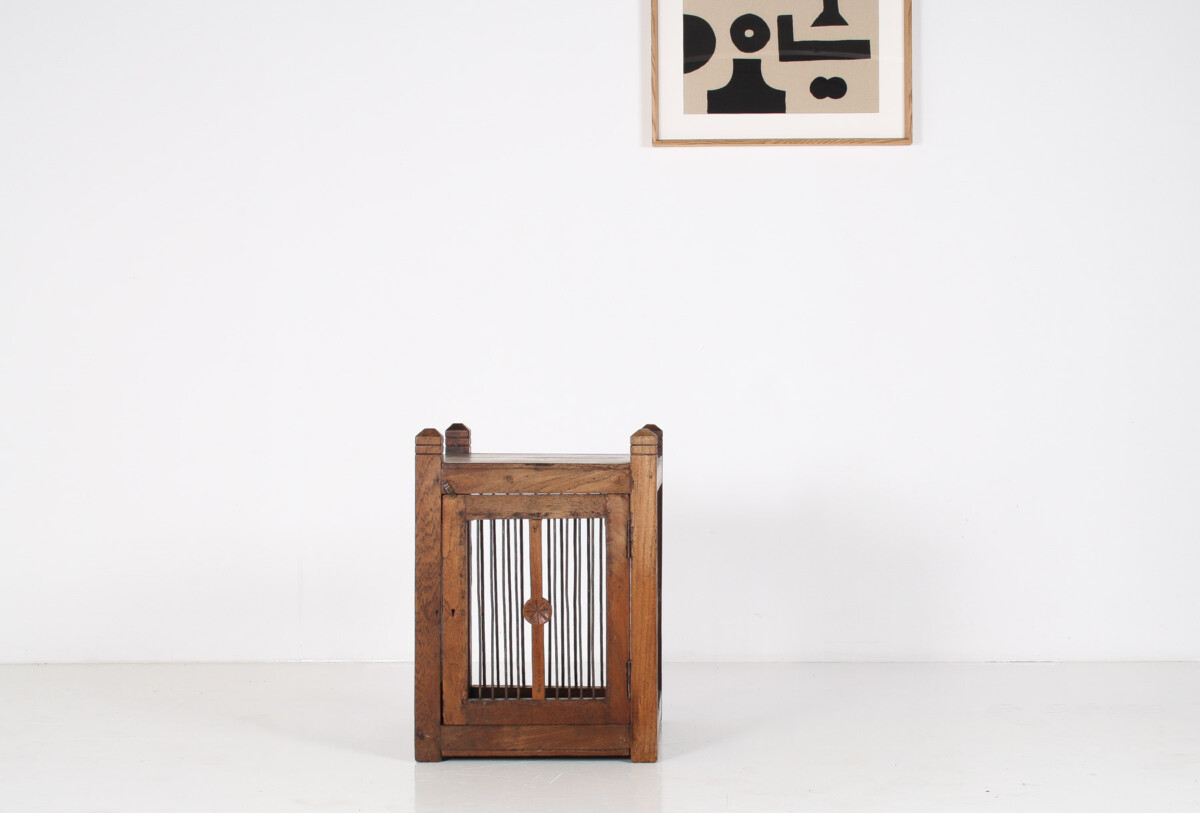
(781, 72)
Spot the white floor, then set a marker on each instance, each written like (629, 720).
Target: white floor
(738, 737)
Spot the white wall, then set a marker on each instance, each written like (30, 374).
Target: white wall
(249, 249)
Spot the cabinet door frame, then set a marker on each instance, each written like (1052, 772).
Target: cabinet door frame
(460, 709)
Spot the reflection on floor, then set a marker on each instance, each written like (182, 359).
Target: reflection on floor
(736, 737)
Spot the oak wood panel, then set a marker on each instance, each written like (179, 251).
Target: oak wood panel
(537, 712)
(532, 506)
(492, 740)
(534, 478)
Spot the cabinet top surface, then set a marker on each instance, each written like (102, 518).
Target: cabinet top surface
(537, 459)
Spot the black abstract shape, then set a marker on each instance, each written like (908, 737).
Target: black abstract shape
(699, 43)
(830, 16)
(747, 92)
(750, 33)
(791, 50)
(832, 88)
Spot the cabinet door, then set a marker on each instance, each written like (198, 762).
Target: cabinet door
(535, 609)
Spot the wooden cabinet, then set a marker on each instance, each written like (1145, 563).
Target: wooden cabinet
(538, 601)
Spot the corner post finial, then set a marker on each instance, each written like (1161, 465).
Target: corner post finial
(458, 439)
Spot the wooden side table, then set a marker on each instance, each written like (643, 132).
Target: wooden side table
(538, 601)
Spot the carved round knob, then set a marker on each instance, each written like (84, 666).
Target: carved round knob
(536, 611)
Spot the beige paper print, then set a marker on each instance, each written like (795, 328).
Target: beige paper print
(793, 86)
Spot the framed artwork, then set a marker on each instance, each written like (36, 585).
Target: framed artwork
(781, 72)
